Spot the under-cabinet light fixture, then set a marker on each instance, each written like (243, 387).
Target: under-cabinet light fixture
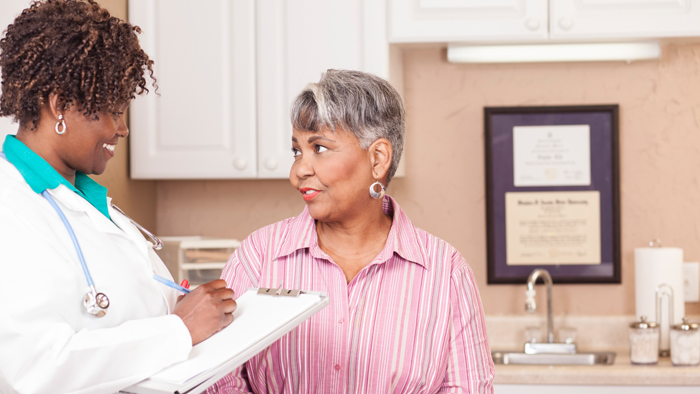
(627, 52)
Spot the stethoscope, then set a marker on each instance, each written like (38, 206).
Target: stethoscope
(95, 303)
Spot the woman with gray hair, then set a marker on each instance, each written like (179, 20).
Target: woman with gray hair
(405, 313)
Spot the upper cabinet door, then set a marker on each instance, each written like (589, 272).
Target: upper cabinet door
(202, 122)
(298, 41)
(467, 20)
(620, 19)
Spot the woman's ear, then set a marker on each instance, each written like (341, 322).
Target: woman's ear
(380, 153)
(52, 105)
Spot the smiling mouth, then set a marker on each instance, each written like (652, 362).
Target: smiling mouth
(109, 147)
(309, 194)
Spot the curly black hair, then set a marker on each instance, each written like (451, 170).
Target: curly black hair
(72, 48)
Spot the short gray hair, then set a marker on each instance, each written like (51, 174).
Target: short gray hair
(363, 104)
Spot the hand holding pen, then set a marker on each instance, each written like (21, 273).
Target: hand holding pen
(205, 310)
(183, 287)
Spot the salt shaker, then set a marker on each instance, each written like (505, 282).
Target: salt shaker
(644, 342)
(685, 344)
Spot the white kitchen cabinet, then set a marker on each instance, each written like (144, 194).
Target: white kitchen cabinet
(228, 72)
(202, 123)
(540, 21)
(623, 19)
(467, 20)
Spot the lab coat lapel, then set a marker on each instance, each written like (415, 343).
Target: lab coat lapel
(75, 203)
(126, 228)
(119, 225)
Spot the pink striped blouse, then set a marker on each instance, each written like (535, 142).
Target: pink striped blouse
(409, 322)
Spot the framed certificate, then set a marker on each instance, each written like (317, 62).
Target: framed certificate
(552, 187)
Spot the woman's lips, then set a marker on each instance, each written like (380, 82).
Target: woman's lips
(308, 193)
(109, 148)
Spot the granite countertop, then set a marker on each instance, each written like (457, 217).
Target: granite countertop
(622, 372)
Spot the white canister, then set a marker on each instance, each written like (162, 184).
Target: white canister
(644, 342)
(685, 344)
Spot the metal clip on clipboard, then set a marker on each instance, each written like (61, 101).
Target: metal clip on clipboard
(279, 292)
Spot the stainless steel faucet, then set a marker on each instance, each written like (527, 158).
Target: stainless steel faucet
(531, 306)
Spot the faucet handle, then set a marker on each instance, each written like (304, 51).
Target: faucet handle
(530, 305)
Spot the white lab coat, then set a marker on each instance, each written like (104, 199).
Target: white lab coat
(48, 342)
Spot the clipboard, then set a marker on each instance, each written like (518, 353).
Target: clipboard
(262, 317)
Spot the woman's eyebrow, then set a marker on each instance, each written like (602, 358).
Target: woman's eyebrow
(318, 137)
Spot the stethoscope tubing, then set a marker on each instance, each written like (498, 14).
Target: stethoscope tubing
(95, 303)
(73, 238)
(58, 210)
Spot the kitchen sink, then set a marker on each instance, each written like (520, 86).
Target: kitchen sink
(520, 358)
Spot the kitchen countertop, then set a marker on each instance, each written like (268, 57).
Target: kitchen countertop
(622, 372)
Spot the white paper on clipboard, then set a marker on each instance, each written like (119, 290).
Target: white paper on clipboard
(259, 321)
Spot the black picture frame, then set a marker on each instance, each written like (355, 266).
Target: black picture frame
(604, 149)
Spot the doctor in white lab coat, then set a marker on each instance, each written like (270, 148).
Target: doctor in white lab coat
(69, 71)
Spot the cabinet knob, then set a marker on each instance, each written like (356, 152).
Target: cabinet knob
(532, 24)
(240, 163)
(271, 164)
(566, 23)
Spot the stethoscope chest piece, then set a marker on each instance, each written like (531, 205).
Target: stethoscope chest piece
(96, 303)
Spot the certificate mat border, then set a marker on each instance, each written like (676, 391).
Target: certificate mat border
(563, 273)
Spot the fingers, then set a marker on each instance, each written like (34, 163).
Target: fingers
(225, 293)
(210, 291)
(207, 309)
(228, 319)
(229, 306)
(217, 284)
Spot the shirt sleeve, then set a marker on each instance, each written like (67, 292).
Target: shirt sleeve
(470, 367)
(243, 268)
(241, 272)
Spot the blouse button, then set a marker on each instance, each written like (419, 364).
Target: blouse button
(340, 321)
(337, 367)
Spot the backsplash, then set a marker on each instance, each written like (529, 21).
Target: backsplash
(592, 332)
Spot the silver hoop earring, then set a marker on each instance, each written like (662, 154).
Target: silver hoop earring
(376, 195)
(61, 123)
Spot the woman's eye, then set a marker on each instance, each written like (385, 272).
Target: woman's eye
(295, 152)
(320, 149)
(118, 114)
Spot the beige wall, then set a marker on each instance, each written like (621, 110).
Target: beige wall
(443, 191)
(136, 198)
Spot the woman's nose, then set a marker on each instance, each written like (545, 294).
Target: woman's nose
(122, 128)
(302, 168)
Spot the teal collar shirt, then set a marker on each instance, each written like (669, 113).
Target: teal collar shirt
(40, 176)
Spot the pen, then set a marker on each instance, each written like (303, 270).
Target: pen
(170, 283)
